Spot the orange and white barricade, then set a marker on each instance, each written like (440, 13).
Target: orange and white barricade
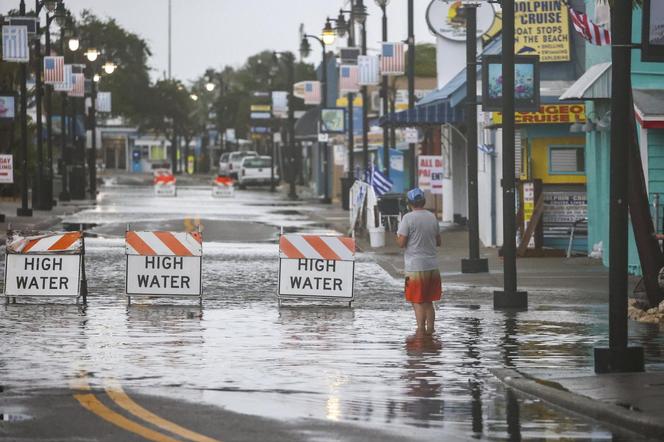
(222, 187)
(44, 264)
(316, 266)
(163, 263)
(164, 183)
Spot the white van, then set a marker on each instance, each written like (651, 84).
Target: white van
(256, 170)
(235, 159)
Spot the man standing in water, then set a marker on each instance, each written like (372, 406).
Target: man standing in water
(419, 234)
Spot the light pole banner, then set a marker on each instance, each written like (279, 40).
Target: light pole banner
(15, 47)
(54, 69)
(78, 85)
(103, 103)
(280, 103)
(392, 60)
(67, 83)
(312, 92)
(369, 70)
(348, 78)
(6, 169)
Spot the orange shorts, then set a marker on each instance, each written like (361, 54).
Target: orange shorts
(423, 286)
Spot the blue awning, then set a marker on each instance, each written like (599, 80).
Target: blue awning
(433, 114)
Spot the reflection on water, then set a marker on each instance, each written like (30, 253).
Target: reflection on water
(360, 365)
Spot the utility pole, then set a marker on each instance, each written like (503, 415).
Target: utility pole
(619, 357)
(38, 200)
(170, 13)
(509, 297)
(411, 85)
(365, 102)
(64, 155)
(474, 264)
(92, 159)
(24, 210)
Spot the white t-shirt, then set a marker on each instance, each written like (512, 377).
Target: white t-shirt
(421, 228)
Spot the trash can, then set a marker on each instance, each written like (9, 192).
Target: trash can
(346, 184)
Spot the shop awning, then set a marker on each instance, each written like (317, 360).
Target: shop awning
(306, 127)
(433, 114)
(594, 84)
(649, 108)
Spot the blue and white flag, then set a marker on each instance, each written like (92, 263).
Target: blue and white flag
(380, 183)
(103, 103)
(369, 66)
(15, 47)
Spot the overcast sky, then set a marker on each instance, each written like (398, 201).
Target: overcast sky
(214, 33)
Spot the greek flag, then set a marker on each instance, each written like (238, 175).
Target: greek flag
(380, 183)
(15, 46)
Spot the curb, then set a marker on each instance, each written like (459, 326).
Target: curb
(602, 411)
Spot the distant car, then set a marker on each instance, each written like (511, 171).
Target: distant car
(235, 159)
(256, 171)
(223, 164)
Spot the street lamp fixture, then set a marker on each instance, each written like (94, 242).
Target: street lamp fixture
(359, 12)
(209, 86)
(328, 34)
(109, 67)
(96, 78)
(194, 97)
(92, 54)
(60, 14)
(341, 24)
(305, 47)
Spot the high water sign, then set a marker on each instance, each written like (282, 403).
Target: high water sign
(317, 266)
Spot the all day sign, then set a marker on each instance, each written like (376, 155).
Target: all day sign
(430, 173)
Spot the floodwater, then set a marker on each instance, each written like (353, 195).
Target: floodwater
(241, 351)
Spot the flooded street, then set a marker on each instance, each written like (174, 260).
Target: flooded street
(301, 363)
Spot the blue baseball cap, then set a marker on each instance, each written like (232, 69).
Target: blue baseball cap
(415, 194)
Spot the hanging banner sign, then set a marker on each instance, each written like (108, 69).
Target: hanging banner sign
(430, 173)
(316, 266)
(164, 263)
(548, 114)
(43, 264)
(6, 169)
(542, 28)
(260, 108)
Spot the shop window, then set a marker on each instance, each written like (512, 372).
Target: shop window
(157, 153)
(567, 160)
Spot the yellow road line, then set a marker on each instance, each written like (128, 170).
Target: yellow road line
(115, 391)
(91, 403)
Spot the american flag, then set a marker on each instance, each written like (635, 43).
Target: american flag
(312, 93)
(54, 69)
(369, 66)
(392, 59)
(348, 78)
(590, 31)
(15, 46)
(78, 89)
(66, 84)
(103, 102)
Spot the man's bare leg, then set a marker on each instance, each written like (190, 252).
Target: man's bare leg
(430, 317)
(420, 317)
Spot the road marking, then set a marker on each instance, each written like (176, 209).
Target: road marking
(115, 392)
(92, 404)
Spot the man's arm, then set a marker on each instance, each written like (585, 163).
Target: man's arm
(439, 241)
(402, 240)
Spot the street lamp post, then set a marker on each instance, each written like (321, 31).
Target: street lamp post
(383, 92)
(73, 45)
(60, 16)
(411, 85)
(289, 60)
(474, 264)
(327, 39)
(359, 14)
(24, 210)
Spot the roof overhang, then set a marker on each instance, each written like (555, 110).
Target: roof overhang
(594, 84)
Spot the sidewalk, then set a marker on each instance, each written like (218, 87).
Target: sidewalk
(580, 275)
(40, 220)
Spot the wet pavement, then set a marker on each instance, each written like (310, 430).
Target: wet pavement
(315, 369)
